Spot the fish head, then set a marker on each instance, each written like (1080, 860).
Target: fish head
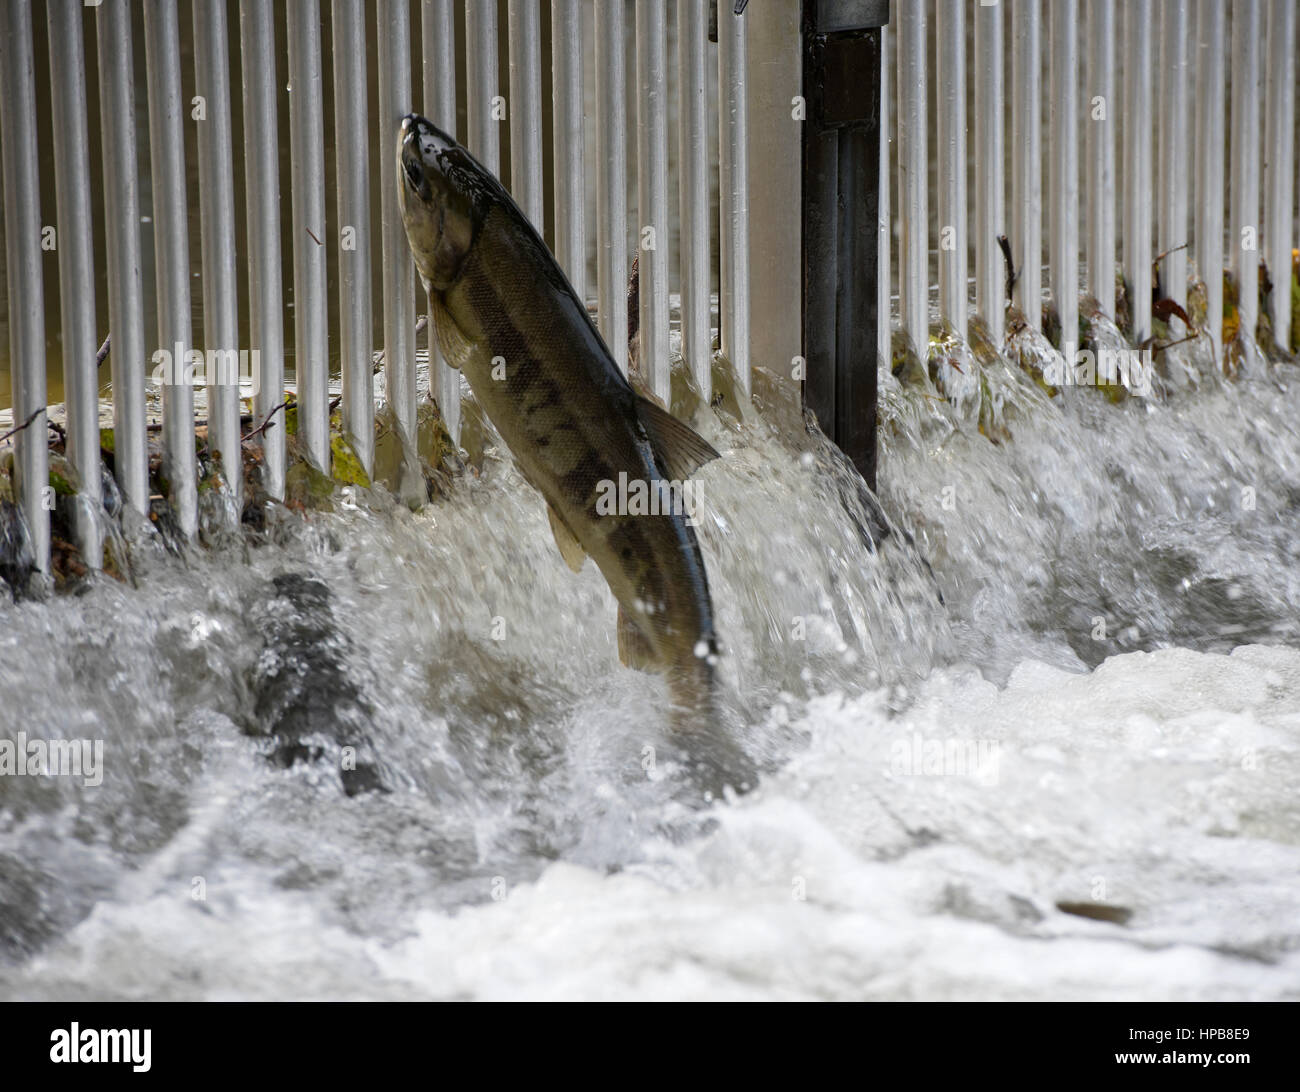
(439, 186)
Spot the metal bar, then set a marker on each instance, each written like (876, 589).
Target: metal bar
(1175, 109)
(733, 194)
(950, 92)
(352, 170)
(693, 191)
(1100, 105)
(990, 284)
(913, 258)
(1064, 239)
(1244, 186)
(1280, 163)
(437, 29)
(1137, 167)
(1026, 233)
(399, 271)
(307, 159)
(523, 27)
(76, 269)
(652, 192)
(122, 246)
(884, 225)
(262, 186)
(481, 82)
(22, 206)
(611, 180)
(171, 255)
(217, 233)
(569, 144)
(1210, 78)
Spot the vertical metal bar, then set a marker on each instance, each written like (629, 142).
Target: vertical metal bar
(122, 244)
(262, 186)
(1137, 167)
(525, 109)
(569, 145)
(1026, 172)
(884, 225)
(1246, 28)
(1210, 78)
(22, 207)
(950, 92)
(990, 284)
(399, 271)
(1175, 109)
(352, 170)
(913, 258)
(437, 29)
(1064, 243)
(1280, 163)
(76, 268)
(652, 192)
(481, 82)
(693, 179)
(217, 227)
(171, 255)
(733, 193)
(307, 159)
(1101, 113)
(611, 180)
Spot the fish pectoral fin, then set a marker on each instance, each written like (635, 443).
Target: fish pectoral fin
(680, 450)
(633, 649)
(570, 549)
(455, 346)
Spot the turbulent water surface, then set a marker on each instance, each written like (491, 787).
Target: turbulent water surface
(1069, 675)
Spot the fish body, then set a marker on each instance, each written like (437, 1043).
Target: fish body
(507, 317)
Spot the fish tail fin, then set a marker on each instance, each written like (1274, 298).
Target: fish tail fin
(713, 758)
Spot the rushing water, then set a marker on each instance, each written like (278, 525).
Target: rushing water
(1090, 694)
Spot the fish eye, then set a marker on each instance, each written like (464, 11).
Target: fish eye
(413, 173)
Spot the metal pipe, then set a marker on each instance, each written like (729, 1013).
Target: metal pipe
(950, 92)
(1064, 174)
(122, 246)
(611, 180)
(217, 233)
(171, 256)
(352, 171)
(1026, 172)
(1174, 111)
(1137, 167)
(437, 29)
(76, 269)
(652, 193)
(399, 271)
(307, 165)
(693, 191)
(22, 210)
(990, 284)
(1244, 192)
(569, 144)
(733, 194)
(1102, 116)
(913, 258)
(262, 186)
(481, 83)
(1210, 78)
(884, 225)
(524, 30)
(1280, 163)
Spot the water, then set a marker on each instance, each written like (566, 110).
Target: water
(1103, 709)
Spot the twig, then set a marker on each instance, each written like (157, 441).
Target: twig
(1165, 254)
(267, 423)
(103, 350)
(14, 431)
(1013, 274)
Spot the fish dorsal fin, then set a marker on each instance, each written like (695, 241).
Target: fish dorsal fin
(633, 649)
(679, 449)
(570, 549)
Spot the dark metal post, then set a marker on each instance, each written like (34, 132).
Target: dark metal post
(841, 152)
